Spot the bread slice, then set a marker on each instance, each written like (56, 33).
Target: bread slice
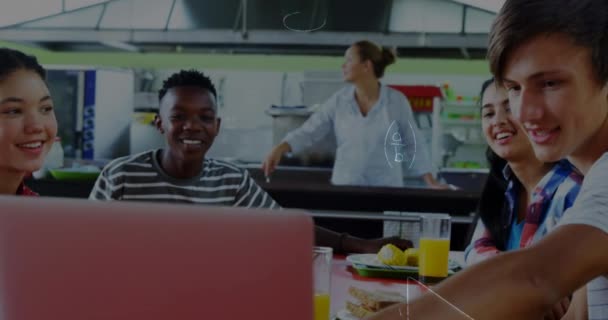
(375, 300)
(358, 311)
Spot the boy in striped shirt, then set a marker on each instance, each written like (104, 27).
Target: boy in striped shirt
(181, 173)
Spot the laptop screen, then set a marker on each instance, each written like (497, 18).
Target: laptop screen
(77, 259)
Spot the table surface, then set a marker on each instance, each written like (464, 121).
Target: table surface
(343, 276)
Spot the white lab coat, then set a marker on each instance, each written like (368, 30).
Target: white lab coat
(365, 152)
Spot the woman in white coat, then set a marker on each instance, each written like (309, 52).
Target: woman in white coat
(362, 116)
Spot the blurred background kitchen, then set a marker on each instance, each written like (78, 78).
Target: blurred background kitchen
(107, 59)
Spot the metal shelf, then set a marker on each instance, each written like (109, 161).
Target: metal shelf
(380, 216)
(471, 106)
(475, 143)
(461, 122)
(461, 111)
(464, 170)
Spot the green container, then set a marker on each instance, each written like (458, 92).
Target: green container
(73, 175)
(374, 272)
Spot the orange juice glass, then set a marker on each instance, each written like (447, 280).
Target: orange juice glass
(321, 259)
(321, 306)
(434, 247)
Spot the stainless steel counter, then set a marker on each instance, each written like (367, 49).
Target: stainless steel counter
(356, 210)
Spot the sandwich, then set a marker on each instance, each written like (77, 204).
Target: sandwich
(369, 302)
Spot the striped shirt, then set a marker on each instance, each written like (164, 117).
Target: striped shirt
(591, 208)
(140, 177)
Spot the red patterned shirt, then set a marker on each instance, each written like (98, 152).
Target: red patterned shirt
(554, 194)
(23, 190)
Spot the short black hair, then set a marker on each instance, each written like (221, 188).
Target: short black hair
(187, 78)
(12, 60)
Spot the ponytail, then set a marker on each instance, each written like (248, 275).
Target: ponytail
(379, 56)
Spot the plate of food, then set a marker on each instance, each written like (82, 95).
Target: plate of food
(345, 315)
(391, 262)
(375, 272)
(366, 302)
(371, 260)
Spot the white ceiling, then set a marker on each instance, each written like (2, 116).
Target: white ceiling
(18, 11)
(489, 5)
(170, 25)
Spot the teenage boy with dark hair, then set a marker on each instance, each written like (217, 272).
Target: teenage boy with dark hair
(552, 56)
(181, 173)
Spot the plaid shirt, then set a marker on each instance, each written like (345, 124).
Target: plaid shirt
(25, 191)
(555, 193)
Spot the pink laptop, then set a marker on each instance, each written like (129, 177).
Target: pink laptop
(70, 259)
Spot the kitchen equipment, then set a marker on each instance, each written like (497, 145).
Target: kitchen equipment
(464, 145)
(92, 106)
(288, 118)
(451, 142)
(145, 80)
(143, 135)
(426, 102)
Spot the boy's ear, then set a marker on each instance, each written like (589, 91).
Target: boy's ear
(158, 124)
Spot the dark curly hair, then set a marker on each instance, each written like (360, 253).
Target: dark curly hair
(13, 60)
(186, 78)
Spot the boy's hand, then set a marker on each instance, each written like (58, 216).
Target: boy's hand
(558, 310)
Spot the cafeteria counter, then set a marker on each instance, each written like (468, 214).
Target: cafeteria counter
(335, 205)
(320, 196)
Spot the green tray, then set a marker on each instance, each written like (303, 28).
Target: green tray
(73, 175)
(375, 272)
